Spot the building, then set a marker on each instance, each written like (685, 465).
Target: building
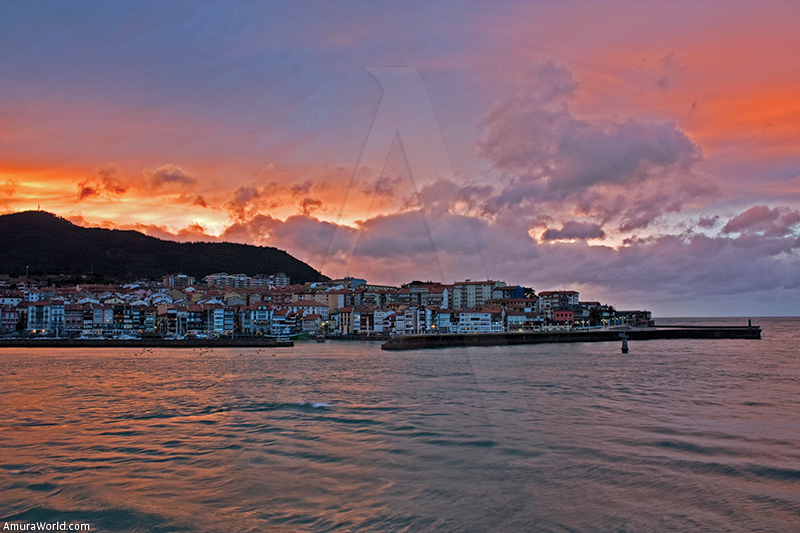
(549, 300)
(285, 322)
(522, 321)
(9, 318)
(635, 318)
(312, 322)
(349, 282)
(46, 317)
(256, 319)
(471, 294)
(507, 293)
(344, 320)
(279, 279)
(563, 316)
(177, 281)
(488, 320)
(225, 280)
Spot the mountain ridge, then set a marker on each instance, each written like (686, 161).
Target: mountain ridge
(48, 244)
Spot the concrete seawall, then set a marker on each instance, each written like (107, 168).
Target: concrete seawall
(243, 342)
(417, 342)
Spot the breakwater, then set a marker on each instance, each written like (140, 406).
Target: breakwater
(148, 342)
(374, 336)
(417, 342)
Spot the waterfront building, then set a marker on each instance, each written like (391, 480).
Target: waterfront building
(177, 307)
(312, 322)
(522, 321)
(9, 318)
(488, 320)
(46, 317)
(635, 318)
(563, 316)
(344, 320)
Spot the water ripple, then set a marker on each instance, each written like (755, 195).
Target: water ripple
(674, 436)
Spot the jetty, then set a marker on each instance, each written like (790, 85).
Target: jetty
(421, 342)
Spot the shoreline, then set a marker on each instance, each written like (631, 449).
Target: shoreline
(415, 342)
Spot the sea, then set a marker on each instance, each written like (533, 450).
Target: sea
(676, 435)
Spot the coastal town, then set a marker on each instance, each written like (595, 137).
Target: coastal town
(181, 307)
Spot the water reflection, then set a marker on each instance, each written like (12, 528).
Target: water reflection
(342, 436)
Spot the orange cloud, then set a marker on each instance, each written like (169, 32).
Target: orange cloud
(105, 184)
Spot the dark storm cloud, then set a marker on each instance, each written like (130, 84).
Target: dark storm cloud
(575, 230)
(85, 191)
(170, 175)
(708, 222)
(310, 205)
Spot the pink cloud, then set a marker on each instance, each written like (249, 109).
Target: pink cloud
(776, 222)
(386, 248)
(444, 196)
(626, 170)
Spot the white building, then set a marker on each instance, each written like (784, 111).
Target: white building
(46, 317)
(483, 321)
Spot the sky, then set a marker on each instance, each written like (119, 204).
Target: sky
(644, 153)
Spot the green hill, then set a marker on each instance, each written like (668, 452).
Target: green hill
(48, 244)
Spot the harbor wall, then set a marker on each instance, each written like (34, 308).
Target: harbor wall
(236, 342)
(417, 342)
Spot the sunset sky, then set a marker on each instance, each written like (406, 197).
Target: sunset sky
(644, 153)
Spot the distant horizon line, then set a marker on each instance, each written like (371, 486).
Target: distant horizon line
(729, 316)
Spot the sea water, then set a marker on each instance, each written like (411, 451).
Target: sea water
(676, 435)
